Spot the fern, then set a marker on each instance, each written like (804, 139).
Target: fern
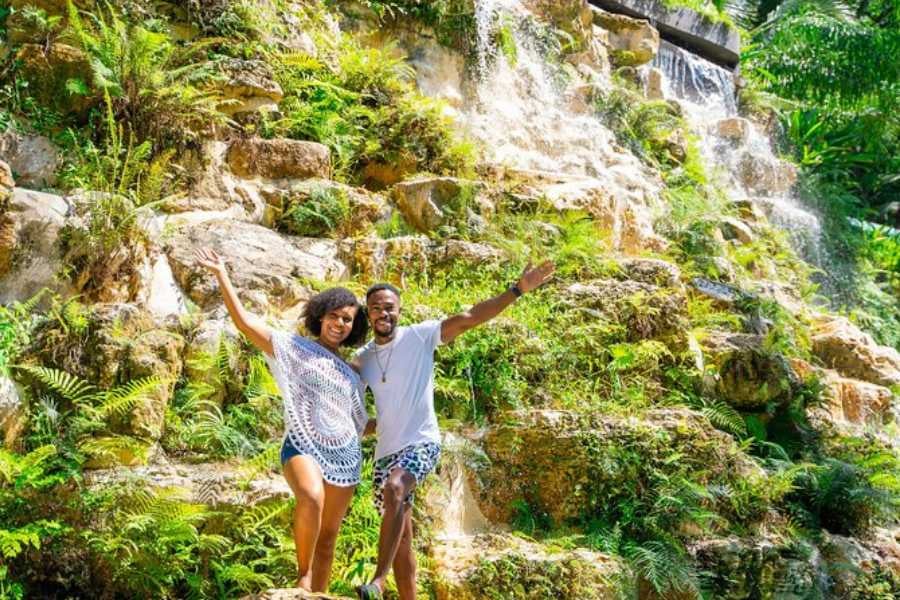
(123, 399)
(68, 386)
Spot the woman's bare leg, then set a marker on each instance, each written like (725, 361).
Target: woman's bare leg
(305, 478)
(337, 501)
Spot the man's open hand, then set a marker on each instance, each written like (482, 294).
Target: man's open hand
(536, 277)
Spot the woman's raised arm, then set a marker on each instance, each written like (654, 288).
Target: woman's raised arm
(247, 323)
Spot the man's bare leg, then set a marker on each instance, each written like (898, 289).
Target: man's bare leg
(397, 488)
(405, 561)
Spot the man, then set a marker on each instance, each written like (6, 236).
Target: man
(398, 365)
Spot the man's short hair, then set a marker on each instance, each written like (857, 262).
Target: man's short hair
(379, 287)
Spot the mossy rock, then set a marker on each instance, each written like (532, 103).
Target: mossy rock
(49, 71)
(565, 467)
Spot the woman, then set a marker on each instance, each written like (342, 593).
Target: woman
(324, 414)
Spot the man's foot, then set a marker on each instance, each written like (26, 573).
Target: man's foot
(369, 591)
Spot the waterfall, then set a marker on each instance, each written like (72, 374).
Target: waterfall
(699, 81)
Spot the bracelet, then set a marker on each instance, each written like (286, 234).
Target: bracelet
(516, 290)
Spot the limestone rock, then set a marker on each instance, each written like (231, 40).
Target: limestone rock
(47, 71)
(633, 41)
(841, 345)
(7, 183)
(493, 565)
(878, 552)
(652, 271)
(662, 313)
(30, 224)
(364, 208)
(119, 343)
(763, 175)
(159, 292)
(21, 30)
(851, 400)
(291, 594)
(736, 230)
(747, 376)
(734, 129)
(756, 568)
(264, 265)
(279, 159)
(572, 16)
(560, 462)
(627, 217)
(214, 484)
(439, 70)
(249, 86)
(373, 258)
(12, 413)
(425, 201)
(33, 158)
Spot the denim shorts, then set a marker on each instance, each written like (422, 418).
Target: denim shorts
(289, 451)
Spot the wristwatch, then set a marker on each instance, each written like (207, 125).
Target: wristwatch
(515, 289)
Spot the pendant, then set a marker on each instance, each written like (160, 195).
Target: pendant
(383, 378)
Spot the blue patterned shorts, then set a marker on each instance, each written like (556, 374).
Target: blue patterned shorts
(417, 459)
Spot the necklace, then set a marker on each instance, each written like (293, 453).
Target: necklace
(386, 364)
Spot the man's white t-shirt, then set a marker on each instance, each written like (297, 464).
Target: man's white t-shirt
(404, 402)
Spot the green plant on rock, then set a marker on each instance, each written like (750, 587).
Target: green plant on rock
(157, 88)
(324, 213)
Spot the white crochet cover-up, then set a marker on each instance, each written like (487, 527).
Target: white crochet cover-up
(324, 412)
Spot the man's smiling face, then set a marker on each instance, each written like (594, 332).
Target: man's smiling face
(383, 307)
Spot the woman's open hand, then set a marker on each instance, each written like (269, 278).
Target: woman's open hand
(210, 260)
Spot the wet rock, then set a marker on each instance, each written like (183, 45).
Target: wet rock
(13, 414)
(850, 400)
(572, 16)
(159, 292)
(632, 41)
(645, 310)
(757, 568)
(114, 345)
(842, 346)
(747, 376)
(33, 158)
(48, 70)
(264, 265)
(865, 565)
(30, 224)
(765, 175)
(427, 202)
(653, 88)
(219, 485)
(279, 159)
(734, 129)
(439, 70)
(563, 464)
(248, 86)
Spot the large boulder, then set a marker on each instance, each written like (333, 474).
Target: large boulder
(248, 86)
(572, 16)
(264, 266)
(427, 202)
(631, 41)
(279, 159)
(337, 209)
(763, 174)
(842, 346)
(494, 565)
(33, 158)
(570, 466)
(111, 345)
(745, 374)
(30, 225)
(850, 400)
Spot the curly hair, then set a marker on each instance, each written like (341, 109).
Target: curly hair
(381, 286)
(324, 302)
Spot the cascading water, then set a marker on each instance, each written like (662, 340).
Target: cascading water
(519, 111)
(738, 151)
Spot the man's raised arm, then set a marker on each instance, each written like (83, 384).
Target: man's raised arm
(487, 310)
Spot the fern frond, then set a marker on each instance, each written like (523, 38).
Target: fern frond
(123, 398)
(70, 387)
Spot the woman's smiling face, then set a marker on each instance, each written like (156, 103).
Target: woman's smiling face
(337, 325)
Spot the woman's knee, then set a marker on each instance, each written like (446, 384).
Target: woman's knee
(326, 543)
(310, 497)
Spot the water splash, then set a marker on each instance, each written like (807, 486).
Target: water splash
(699, 81)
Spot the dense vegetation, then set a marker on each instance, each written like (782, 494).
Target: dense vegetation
(131, 122)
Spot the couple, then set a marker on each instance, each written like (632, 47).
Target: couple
(325, 415)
